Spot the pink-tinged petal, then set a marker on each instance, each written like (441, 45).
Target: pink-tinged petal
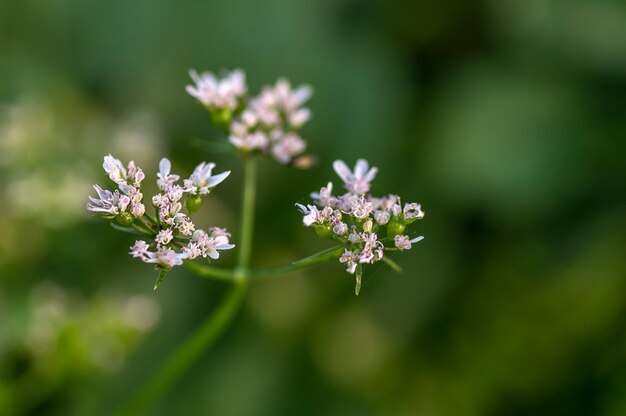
(217, 179)
(194, 76)
(360, 168)
(225, 246)
(164, 167)
(342, 170)
(302, 208)
(302, 93)
(416, 239)
(371, 174)
(214, 254)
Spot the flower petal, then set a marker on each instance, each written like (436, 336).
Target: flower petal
(342, 170)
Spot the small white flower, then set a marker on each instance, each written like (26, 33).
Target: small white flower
(193, 250)
(324, 197)
(217, 231)
(299, 117)
(166, 257)
(165, 179)
(184, 224)
(312, 215)
(164, 236)
(201, 180)
(349, 258)
(217, 243)
(288, 147)
(218, 93)
(140, 249)
(114, 168)
(137, 210)
(245, 141)
(413, 210)
(108, 202)
(402, 242)
(357, 182)
(341, 228)
(381, 217)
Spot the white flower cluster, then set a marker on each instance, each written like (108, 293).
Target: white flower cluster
(357, 218)
(268, 123)
(125, 201)
(218, 94)
(172, 229)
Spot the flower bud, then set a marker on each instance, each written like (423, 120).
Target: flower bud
(324, 230)
(124, 219)
(221, 117)
(193, 203)
(394, 228)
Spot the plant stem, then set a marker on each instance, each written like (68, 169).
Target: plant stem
(203, 337)
(247, 215)
(306, 263)
(188, 353)
(210, 272)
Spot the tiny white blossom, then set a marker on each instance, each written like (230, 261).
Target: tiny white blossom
(357, 182)
(114, 168)
(165, 179)
(217, 93)
(413, 210)
(381, 217)
(201, 180)
(349, 258)
(108, 202)
(140, 249)
(324, 197)
(245, 141)
(341, 228)
(164, 236)
(288, 147)
(166, 257)
(402, 242)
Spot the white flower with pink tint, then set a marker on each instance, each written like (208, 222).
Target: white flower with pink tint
(201, 180)
(357, 181)
(402, 242)
(218, 93)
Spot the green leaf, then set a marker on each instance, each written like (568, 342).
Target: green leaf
(160, 278)
(359, 274)
(128, 230)
(321, 257)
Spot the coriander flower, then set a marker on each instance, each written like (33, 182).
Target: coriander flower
(367, 225)
(218, 93)
(171, 237)
(402, 242)
(357, 181)
(201, 180)
(108, 202)
(267, 123)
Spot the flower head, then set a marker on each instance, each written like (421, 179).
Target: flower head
(357, 218)
(267, 123)
(201, 181)
(171, 237)
(357, 181)
(218, 93)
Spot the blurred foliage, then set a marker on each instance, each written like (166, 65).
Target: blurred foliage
(505, 119)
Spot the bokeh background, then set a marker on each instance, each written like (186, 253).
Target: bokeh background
(506, 119)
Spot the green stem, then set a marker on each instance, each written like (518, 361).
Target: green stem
(188, 353)
(308, 262)
(247, 215)
(203, 337)
(210, 272)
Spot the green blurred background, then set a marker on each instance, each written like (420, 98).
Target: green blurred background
(506, 119)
